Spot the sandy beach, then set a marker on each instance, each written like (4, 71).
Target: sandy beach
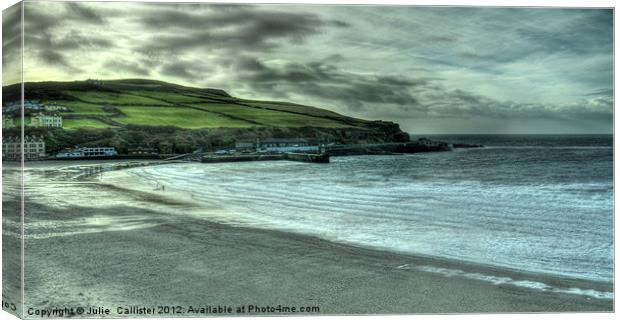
(120, 247)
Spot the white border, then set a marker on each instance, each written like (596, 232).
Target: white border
(484, 3)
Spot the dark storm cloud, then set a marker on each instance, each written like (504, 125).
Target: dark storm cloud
(241, 28)
(77, 40)
(327, 81)
(270, 22)
(79, 12)
(126, 67)
(177, 70)
(184, 70)
(11, 35)
(41, 34)
(324, 81)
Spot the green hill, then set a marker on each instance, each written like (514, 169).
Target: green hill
(116, 103)
(116, 112)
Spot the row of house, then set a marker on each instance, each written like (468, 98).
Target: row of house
(40, 120)
(87, 152)
(34, 148)
(32, 105)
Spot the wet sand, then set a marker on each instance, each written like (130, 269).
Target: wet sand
(159, 258)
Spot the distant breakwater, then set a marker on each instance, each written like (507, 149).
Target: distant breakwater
(420, 145)
(302, 157)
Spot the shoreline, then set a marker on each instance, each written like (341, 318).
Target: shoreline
(131, 185)
(135, 184)
(86, 173)
(314, 251)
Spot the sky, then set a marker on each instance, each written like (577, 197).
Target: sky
(430, 69)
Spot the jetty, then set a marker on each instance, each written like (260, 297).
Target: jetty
(291, 156)
(417, 146)
(326, 152)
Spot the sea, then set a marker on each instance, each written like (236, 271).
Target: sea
(535, 203)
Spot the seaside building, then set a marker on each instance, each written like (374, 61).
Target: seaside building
(34, 148)
(278, 145)
(87, 152)
(46, 121)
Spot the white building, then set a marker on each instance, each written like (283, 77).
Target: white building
(32, 105)
(277, 145)
(34, 148)
(88, 152)
(46, 121)
(52, 106)
(287, 145)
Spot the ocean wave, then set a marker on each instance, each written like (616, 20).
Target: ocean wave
(537, 226)
(530, 284)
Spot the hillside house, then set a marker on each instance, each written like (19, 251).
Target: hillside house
(52, 106)
(31, 105)
(42, 120)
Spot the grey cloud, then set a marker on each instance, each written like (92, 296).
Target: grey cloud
(11, 35)
(126, 66)
(601, 92)
(178, 71)
(56, 59)
(83, 13)
(37, 19)
(328, 81)
(269, 23)
(242, 28)
(441, 38)
(43, 37)
(186, 70)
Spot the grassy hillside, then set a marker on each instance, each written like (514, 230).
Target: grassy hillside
(178, 119)
(117, 103)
